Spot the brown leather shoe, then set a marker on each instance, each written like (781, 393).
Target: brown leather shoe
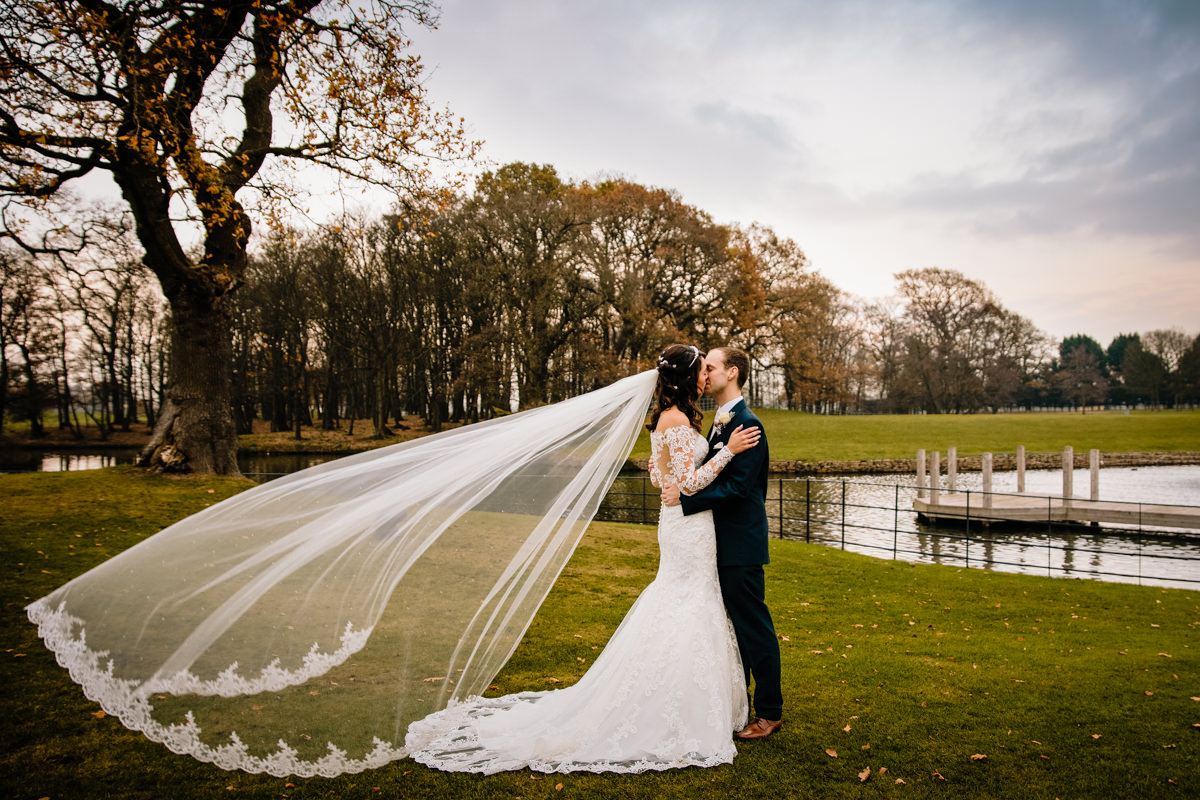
(759, 729)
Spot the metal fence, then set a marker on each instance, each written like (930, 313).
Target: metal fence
(878, 519)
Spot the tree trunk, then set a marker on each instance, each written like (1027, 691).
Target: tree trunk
(196, 431)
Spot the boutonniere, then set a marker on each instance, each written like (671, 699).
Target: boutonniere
(721, 421)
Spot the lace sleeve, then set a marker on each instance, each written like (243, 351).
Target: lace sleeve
(655, 476)
(690, 479)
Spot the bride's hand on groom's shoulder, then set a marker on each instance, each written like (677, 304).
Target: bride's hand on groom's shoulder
(743, 438)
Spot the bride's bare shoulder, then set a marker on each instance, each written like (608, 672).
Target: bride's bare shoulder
(671, 418)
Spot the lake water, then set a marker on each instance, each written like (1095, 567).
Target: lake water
(873, 515)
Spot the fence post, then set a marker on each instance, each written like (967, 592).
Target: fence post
(1094, 469)
(951, 468)
(781, 508)
(1049, 533)
(843, 513)
(895, 522)
(1020, 468)
(935, 477)
(987, 480)
(644, 481)
(967, 537)
(808, 509)
(921, 474)
(1068, 467)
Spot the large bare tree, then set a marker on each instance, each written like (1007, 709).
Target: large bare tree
(181, 102)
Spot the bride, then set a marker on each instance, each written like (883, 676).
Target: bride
(668, 690)
(303, 626)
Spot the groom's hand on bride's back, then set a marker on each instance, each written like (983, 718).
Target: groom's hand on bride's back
(670, 495)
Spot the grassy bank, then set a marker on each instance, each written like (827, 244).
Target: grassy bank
(1069, 688)
(798, 436)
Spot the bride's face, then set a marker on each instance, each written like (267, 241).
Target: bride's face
(702, 381)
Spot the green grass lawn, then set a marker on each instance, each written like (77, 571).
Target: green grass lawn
(1068, 688)
(796, 436)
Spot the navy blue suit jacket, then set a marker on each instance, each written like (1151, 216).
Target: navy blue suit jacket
(738, 497)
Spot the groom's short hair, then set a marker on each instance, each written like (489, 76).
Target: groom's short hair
(737, 358)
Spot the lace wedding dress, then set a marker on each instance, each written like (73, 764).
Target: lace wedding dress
(667, 691)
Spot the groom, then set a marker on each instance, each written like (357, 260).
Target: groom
(738, 501)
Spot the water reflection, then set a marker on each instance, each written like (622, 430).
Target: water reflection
(872, 515)
(876, 518)
(258, 466)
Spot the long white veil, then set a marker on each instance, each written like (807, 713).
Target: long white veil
(301, 626)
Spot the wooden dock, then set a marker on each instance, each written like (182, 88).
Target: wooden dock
(1033, 509)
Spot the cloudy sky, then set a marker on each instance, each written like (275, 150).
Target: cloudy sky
(1049, 148)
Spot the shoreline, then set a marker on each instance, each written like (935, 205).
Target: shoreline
(1001, 462)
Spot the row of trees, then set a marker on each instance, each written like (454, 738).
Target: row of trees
(526, 291)
(532, 289)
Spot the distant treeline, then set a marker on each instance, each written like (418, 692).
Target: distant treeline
(534, 289)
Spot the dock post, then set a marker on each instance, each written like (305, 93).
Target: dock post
(921, 474)
(1094, 468)
(935, 477)
(987, 480)
(952, 469)
(1068, 468)
(1020, 468)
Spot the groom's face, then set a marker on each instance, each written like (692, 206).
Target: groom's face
(717, 372)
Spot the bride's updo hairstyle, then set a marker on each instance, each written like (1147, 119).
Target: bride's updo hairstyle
(678, 376)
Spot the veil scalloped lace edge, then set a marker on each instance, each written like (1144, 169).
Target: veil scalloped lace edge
(129, 700)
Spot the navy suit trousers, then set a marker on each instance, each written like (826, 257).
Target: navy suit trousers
(744, 591)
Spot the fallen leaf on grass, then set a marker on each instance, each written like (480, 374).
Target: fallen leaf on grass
(1096, 735)
(831, 753)
(99, 714)
(978, 757)
(900, 782)
(938, 776)
(862, 776)
(1149, 693)
(558, 787)
(1166, 655)
(435, 679)
(846, 729)
(552, 680)
(1168, 747)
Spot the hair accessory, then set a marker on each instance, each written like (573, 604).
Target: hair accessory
(663, 362)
